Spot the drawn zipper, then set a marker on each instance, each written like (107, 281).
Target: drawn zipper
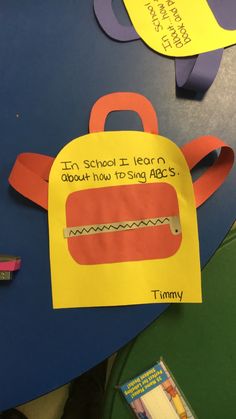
(86, 230)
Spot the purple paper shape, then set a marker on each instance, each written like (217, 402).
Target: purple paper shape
(224, 12)
(195, 73)
(108, 21)
(198, 73)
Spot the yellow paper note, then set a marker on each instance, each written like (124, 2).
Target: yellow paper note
(178, 28)
(122, 222)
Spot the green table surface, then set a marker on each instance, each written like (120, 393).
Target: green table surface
(197, 341)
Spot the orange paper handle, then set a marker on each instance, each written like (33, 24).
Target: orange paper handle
(123, 101)
(30, 173)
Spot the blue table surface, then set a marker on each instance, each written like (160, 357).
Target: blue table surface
(55, 61)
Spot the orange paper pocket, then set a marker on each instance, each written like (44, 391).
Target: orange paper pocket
(123, 223)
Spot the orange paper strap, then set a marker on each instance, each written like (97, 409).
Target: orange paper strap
(29, 177)
(30, 172)
(215, 175)
(123, 101)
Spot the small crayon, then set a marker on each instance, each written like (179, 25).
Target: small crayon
(167, 385)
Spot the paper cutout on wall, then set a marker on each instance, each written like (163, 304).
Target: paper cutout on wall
(195, 73)
(122, 216)
(180, 28)
(122, 210)
(122, 221)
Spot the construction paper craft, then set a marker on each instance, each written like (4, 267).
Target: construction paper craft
(198, 343)
(106, 17)
(154, 394)
(102, 236)
(8, 265)
(198, 73)
(193, 73)
(52, 93)
(180, 28)
(123, 212)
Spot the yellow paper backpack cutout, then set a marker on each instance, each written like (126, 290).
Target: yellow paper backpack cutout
(122, 216)
(178, 28)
